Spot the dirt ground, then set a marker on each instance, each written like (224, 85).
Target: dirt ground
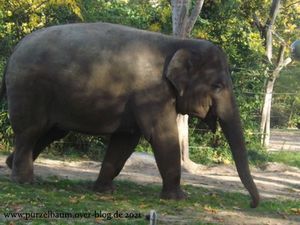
(289, 140)
(275, 181)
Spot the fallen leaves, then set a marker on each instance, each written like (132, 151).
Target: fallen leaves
(295, 211)
(17, 208)
(209, 209)
(76, 199)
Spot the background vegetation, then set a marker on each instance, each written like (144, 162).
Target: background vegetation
(229, 24)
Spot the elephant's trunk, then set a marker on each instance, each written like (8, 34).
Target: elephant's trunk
(231, 126)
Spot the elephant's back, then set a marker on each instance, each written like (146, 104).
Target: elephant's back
(58, 47)
(95, 36)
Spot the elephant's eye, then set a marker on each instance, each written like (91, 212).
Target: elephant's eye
(217, 87)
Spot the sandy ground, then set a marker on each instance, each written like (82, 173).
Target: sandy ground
(288, 140)
(275, 181)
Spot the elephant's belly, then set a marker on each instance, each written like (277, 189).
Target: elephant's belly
(95, 126)
(96, 120)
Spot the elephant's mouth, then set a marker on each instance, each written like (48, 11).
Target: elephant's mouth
(211, 119)
(197, 115)
(200, 112)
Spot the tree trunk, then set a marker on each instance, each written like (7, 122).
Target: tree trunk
(183, 23)
(183, 128)
(274, 10)
(266, 113)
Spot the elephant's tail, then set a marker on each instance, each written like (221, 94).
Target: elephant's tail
(3, 86)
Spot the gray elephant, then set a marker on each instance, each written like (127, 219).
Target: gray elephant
(101, 78)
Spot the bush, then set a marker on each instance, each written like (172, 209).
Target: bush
(143, 15)
(6, 134)
(76, 145)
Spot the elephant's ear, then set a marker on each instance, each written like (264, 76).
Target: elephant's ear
(177, 70)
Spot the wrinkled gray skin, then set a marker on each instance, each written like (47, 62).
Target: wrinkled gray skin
(108, 79)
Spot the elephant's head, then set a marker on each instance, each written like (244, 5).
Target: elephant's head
(200, 77)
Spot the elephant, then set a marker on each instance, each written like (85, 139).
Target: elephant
(108, 79)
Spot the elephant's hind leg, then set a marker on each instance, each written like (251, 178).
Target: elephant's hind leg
(9, 160)
(119, 150)
(44, 141)
(22, 169)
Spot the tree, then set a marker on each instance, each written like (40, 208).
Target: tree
(183, 20)
(267, 32)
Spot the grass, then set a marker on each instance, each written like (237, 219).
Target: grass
(65, 196)
(285, 157)
(54, 195)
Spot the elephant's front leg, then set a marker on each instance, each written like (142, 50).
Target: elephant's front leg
(165, 144)
(120, 148)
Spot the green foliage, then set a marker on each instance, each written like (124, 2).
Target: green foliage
(143, 146)
(143, 15)
(77, 146)
(206, 147)
(6, 134)
(229, 25)
(20, 17)
(258, 156)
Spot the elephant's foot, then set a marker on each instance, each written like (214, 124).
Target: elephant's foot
(175, 194)
(104, 187)
(9, 160)
(22, 177)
